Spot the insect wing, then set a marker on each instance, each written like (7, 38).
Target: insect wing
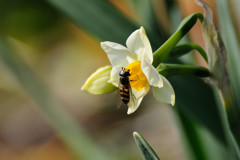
(132, 97)
(118, 97)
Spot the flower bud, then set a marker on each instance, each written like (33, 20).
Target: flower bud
(97, 83)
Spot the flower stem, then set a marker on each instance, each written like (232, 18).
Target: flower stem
(163, 52)
(186, 48)
(169, 70)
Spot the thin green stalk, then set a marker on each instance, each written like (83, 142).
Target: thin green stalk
(169, 70)
(186, 48)
(163, 52)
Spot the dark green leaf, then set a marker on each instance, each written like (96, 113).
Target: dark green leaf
(98, 16)
(186, 48)
(146, 13)
(146, 150)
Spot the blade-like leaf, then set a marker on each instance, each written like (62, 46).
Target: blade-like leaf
(200, 141)
(235, 12)
(93, 17)
(199, 111)
(146, 13)
(146, 150)
(220, 65)
(230, 40)
(98, 16)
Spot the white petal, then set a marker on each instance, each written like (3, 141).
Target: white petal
(114, 77)
(164, 94)
(138, 43)
(135, 102)
(118, 54)
(153, 77)
(133, 106)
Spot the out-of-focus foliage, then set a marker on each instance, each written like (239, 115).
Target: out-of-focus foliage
(58, 45)
(231, 41)
(35, 22)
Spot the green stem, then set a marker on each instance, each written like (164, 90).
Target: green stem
(168, 70)
(185, 48)
(163, 52)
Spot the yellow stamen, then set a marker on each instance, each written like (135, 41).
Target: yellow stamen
(137, 79)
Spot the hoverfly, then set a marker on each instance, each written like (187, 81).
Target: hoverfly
(124, 86)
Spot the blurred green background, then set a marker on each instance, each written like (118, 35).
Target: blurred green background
(54, 51)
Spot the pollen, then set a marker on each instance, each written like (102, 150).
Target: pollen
(137, 79)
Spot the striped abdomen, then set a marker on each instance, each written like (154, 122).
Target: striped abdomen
(124, 89)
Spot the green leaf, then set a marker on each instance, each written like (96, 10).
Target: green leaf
(163, 52)
(201, 141)
(40, 20)
(168, 70)
(93, 16)
(222, 64)
(98, 16)
(235, 12)
(231, 42)
(146, 150)
(200, 109)
(186, 48)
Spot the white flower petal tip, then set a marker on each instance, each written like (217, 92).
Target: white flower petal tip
(173, 99)
(135, 134)
(118, 54)
(139, 44)
(134, 104)
(105, 44)
(97, 83)
(164, 94)
(142, 30)
(131, 110)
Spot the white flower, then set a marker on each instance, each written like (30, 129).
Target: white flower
(138, 58)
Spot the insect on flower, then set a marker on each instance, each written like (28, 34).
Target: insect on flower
(124, 86)
(136, 76)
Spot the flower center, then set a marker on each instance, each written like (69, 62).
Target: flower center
(137, 79)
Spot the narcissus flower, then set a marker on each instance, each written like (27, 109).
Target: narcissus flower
(137, 57)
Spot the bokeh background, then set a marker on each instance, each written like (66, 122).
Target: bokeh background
(63, 55)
